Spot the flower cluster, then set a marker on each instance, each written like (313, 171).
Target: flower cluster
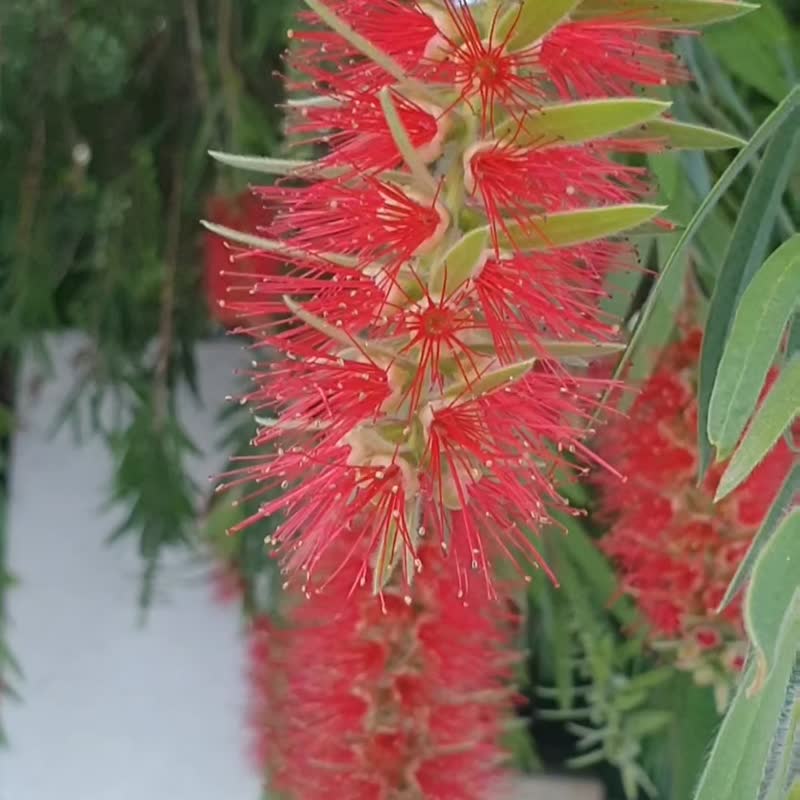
(420, 375)
(677, 551)
(393, 701)
(447, 254)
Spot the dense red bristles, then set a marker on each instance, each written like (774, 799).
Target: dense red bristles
(608, 56)
(551, 294)
(521, 184)
(370, 698)
(366, 218)
(355, 129)
(379, 21)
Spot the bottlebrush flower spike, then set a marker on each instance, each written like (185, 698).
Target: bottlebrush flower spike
(447, 254)
(677, 552)
(400, 698)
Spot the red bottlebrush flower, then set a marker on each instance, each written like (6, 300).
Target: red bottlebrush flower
(229, 274)
(367, 219)
(481, 63)
(677, 551)
(394, 698)
(427, 383)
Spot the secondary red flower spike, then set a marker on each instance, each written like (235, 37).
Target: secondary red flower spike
(390, 699)
(446, 258)
(677, 551)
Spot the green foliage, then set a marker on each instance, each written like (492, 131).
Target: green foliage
(748, 757)
(746, 250)
(784, 502)
(743, 221)
(604, 689)
(758, 323)
(109, 109)
(785, 110)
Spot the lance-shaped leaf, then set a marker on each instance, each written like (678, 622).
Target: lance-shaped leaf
(276, 246)
(297, 167)
(460, 263)
(744, 255)
(529, 22)
(567, 228)
(773, 584)
(352, 344)
(489, 380)
(779, 409)
(684, 136)
(318, 324)
(669, 14)
(675, 261)
(783, 503)
(782, 771)
(482, 342)
(572, 123)
(735, 768)
(397, 546)
(263, 164)
(403, 141)
(763, 313)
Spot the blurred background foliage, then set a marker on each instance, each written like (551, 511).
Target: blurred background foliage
(107, 112)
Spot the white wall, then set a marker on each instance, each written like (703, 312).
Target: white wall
(113, 710)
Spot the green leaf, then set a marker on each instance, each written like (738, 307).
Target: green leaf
(318, 324)
(766, 38)
(694, 723)
(405, 146)
(275, 246)
(780, 507)
(782, 770)
(552, 621)
(597, 574)
(558, 349)
(263, 164)
(567, 228)
(532, 21)
(774, 583)
(490, 380)
(646, 722)
(460, 262)
(790, 103)
(755, 336)
(662, 321)
(669, 14)
(780, 407)
(352, 343)
(736, 763)
(572, 123)
(685, 136)
(745, 253)
(267, 165)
